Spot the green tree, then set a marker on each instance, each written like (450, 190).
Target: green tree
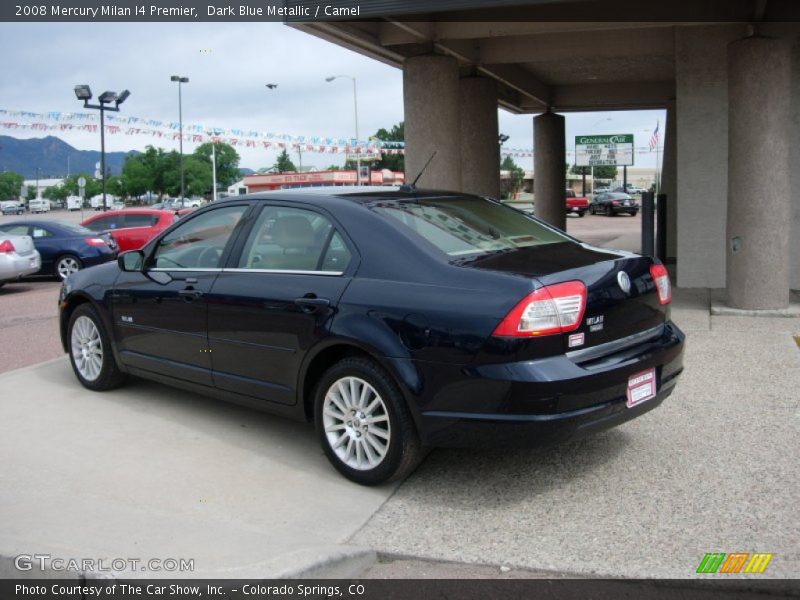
(333, 168)
(57, 193)
(516, 176)
(284, 164)
(158, 164)
(137, 177)
(394, 162)
(10, 184)
(227, 162)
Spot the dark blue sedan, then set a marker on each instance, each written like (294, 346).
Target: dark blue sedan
(65, 247)
(395, 320)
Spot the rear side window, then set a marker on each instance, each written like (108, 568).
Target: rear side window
(15, 229)
(469, 226)
(104, 223)
(291, 239)
(139, 220)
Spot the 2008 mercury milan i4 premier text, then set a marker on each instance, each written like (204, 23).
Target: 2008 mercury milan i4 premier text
(395, 320)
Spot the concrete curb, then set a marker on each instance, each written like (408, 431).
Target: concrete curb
(722, 310)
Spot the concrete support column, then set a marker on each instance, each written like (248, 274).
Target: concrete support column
(549, 169)
(480, 149)
(669, 180)
(759, 195)
(431, 99)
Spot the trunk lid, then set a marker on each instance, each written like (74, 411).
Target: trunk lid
(23, 244)
(615, 308)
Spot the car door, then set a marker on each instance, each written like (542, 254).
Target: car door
(48, 244)
(160, 313)
(275, 300)
(137, 229)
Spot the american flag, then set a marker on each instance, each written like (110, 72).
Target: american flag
(654, 138)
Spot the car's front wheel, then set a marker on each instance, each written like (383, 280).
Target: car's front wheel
(363, 423)
(67, 265)
(90, 351)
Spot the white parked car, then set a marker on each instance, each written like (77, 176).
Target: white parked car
(18, 257)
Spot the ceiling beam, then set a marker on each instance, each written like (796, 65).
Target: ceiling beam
(608, 96)
(474, 30)
(558, 47)
(537, 93)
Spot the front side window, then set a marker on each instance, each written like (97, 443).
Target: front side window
(198, 243)
(468, 226)
(291, 239)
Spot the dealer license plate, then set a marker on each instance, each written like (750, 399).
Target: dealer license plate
(641, 387)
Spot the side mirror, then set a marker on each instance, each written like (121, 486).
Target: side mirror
(133, 260)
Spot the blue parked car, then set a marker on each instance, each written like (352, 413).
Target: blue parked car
(65, 247)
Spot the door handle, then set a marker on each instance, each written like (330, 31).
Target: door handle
(311, 304)
(190, 295)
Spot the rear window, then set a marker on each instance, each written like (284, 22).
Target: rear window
(469, 226)
(134, 220)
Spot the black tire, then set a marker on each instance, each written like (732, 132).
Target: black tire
(610, 213)
(64, 260)
(109, 375)
(634, 213)
(593, 209)
(403, 451)
(581, 213)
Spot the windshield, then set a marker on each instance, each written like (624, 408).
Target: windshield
(464, 226)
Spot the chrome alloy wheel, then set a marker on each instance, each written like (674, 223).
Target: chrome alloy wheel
(67, 266)
(356, 423)
(87, 348)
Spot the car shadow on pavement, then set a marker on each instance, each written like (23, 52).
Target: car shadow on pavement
(504, 477)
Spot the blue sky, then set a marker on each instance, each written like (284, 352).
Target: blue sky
(228, 65)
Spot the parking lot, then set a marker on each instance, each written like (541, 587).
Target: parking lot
(247, 494)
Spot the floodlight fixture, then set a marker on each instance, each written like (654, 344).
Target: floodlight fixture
(83, 92)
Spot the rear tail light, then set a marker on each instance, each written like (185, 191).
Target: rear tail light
(6, 246)
(95, 242)
(661, 278)
(615, 202)
(547, 311)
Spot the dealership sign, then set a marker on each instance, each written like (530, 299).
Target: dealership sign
(601, 150)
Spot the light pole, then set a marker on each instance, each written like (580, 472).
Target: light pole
(106, 99)
(355, 106)
(180, 80)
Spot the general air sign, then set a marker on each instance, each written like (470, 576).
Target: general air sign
(601, 150)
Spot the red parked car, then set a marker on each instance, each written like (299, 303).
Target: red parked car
(131, 227)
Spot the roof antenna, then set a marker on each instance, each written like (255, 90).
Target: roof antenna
(413, 186)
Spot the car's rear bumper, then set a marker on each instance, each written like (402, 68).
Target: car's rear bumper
(549, 400)
(631, 210)
(13, 266)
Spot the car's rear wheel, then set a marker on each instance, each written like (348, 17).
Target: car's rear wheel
(363, 423)
(90, 351)
(67, 265)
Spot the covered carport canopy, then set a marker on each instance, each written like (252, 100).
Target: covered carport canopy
(726, 71)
